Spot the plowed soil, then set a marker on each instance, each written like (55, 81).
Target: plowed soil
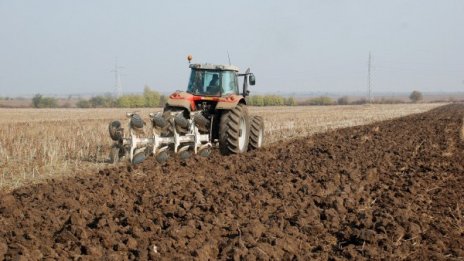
(388, 190)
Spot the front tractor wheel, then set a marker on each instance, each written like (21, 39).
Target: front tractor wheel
(234, 130)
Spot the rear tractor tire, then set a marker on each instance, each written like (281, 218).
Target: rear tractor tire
(234, 130)
(256, 133)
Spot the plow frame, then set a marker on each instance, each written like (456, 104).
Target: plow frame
(135, 144)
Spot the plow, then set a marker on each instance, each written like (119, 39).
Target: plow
(211, 113)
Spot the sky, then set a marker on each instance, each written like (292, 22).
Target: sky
(70, 47)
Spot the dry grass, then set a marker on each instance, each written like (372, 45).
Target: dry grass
(36, 144)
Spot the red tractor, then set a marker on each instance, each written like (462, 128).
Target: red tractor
(211, 112)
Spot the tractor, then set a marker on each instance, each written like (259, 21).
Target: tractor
(212, 112)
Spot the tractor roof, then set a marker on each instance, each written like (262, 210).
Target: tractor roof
(215, 67)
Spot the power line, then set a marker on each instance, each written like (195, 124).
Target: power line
(117, 79)
(369, 80)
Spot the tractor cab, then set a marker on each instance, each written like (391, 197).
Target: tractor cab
(212, 87)
(218, 80)
(213, 80)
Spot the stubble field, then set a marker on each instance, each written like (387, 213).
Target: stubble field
(36, 144)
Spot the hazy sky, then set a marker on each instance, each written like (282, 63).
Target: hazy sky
(68, 46)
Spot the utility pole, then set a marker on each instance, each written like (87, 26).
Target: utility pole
(369, 82)
(117, 79)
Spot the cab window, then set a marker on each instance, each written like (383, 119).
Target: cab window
(229, 83)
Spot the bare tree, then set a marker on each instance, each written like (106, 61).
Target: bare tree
(416, 96)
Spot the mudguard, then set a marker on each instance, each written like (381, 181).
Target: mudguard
(181, 99)
(230, 102)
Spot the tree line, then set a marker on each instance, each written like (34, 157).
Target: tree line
(275, 100)
(270, 100)
(149, 98)
(152, 98)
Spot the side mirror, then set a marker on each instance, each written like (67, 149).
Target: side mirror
(252, 79)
